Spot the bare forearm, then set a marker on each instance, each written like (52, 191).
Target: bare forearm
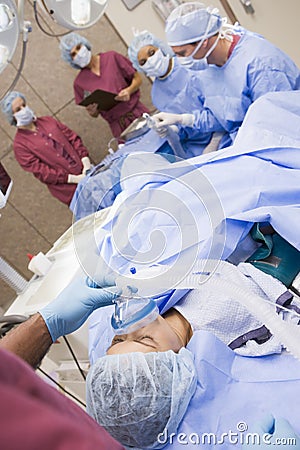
(136, 83)
(30, 340)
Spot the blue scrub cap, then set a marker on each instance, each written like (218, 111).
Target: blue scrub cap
(136, 396)
(68, 42)
(191, 22)
(6, 105)
(141, 40)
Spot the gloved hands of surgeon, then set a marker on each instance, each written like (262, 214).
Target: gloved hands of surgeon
(162, 132)
(274, 433)
(73, 306)
(163, 119)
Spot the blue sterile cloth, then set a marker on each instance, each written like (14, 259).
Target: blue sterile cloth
(254, 68)
(258, 186)
(101, 186)
(204, 207)
(98, 190)
(234, 389)
(231, 389)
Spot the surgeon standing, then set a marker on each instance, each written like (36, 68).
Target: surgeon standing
(176, 89)
(239, 66)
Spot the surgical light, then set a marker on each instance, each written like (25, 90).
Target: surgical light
(9, 31)
(71, 14)
(80, 11)
(75, 14)
(4, 55)
(6, 17)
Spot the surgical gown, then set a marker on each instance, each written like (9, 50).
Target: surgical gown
(205, 207)
(254, 68)
(181, 92)
(233, 394)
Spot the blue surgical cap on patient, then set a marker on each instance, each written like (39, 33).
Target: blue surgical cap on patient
(191, 22)
(141, 40)
(137, 396)
(6, 105)
(68, 42)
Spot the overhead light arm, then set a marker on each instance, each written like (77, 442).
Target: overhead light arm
(41, 27)
(71, 14)
(9, 31)
(9, 36)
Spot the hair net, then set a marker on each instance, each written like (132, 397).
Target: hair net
(135, 396)
(68, 42)
(141, 40)
(6, 105)
(191, 22)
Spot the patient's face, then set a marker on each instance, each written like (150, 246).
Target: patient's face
(158, 336)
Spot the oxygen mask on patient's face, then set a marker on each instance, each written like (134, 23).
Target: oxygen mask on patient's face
(132, 312)
(135, 308)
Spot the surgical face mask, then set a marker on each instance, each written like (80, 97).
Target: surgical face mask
(157, 65)
(194, 64)
(189, 61)
(83, 57)
(24, 117)
(198, 64)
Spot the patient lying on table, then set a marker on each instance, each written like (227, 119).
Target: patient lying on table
(148, 375)
(206, 308)
(145, 383)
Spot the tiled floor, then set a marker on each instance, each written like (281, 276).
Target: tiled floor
(33, 219)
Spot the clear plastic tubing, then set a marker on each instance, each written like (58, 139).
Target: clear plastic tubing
(175, 144)
(12, 277)
(171, 136)
(286, 332)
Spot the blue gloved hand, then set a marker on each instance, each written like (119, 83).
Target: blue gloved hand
(102, 281)
(73, 306)
(103, 276)
(274, 433)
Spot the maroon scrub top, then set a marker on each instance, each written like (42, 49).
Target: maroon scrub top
(35, 416)
(116, 73)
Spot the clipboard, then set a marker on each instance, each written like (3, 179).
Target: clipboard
(105, 100)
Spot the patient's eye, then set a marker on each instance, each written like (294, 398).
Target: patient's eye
(147, 337)
(116, 341)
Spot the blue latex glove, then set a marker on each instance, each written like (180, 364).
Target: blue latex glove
(103, 276)
(101, 282)
(73, 306)
(274, 433)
